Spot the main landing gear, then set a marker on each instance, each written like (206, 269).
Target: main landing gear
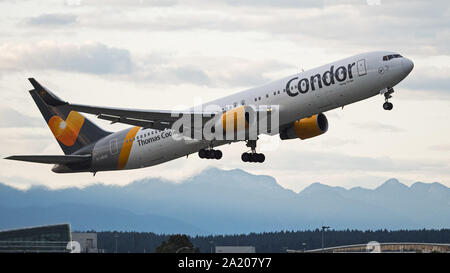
(253, 156)
(387, 95)
(210, 154)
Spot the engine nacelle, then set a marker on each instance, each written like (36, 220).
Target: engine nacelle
(306, 128)
(237, 119)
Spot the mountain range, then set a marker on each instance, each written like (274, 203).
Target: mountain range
(219, 201)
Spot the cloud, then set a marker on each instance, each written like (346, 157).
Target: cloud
(336, 141)
(336, 163)
(89, 57)
(294, 3)
(207, 71)
(132, 3)
(10, 118)
(379, 127)
(19, 182)
(424, 27)
(429, 82)
(160, 68)
(191, 75)
(441, 147)
(52, 19)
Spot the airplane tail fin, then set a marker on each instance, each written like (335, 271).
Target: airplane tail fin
(71, 129)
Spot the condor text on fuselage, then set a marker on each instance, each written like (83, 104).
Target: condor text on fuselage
(327, 78)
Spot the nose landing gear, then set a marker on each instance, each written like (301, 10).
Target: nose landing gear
(387, 95)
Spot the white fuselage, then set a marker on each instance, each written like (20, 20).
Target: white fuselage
(297, 96)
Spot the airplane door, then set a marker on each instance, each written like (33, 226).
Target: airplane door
(113, 147)
(362, 67)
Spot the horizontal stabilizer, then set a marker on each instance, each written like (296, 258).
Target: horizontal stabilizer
(51, 159)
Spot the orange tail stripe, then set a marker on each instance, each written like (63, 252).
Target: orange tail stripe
(126, 147)
(66, 131)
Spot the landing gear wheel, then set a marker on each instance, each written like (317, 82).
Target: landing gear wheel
(253, 157)
(217, 154)
(210, 154)
(245, 157)
(260, 158)
(388, 106)
(202, 153)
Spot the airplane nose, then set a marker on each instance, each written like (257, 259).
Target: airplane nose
(407, 65)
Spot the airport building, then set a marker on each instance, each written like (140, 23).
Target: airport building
(87, 241)
(375, 247)
(48, 239)
(235, 249)
(52, 238)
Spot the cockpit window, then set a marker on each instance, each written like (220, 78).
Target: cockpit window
(390, 57)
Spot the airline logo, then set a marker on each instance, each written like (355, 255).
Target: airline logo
(66, 131)
(327, 78)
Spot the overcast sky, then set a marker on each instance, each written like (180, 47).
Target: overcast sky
(169, 54)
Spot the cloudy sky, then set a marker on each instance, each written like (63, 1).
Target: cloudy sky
(170, 54)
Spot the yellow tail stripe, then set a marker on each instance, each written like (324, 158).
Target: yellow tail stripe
(126, 147)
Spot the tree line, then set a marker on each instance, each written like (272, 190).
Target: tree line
(266, 242)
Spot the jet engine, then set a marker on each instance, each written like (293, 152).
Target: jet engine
(237, 119)
(306, 128)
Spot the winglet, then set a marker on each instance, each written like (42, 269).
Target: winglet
(47, 96)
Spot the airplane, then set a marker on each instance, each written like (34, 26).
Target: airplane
(301, 101)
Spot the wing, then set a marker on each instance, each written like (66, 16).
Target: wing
(155, 119)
